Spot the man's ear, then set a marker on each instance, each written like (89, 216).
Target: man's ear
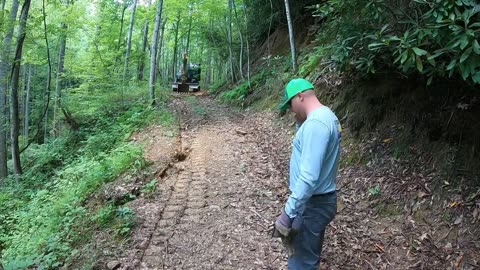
(300, 96)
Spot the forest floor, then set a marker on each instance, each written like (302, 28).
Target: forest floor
(222, 181)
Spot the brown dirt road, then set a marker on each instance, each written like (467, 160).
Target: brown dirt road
(214, 207)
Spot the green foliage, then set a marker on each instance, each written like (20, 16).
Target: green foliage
(44, 219)
(105, 215)
(150, 187)
(127, 220)
(217, 86)
(239, 93)
(312, 62)
(374, 191)
(120, 219)
(53, 220)
(434, 38)
(236, 95)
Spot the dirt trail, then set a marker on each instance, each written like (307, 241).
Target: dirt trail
(210, 210)
(213, 208)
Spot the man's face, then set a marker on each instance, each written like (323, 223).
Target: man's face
(297, 108)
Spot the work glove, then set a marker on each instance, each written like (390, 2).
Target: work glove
(283, 224)
(283, 228)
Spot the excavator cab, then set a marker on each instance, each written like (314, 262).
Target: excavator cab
(189, 79)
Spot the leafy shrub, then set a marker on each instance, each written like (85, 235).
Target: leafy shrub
(238, 94)
(150, 187)
(53, 220)
(436, 38)
(43, 218)
(217, 86)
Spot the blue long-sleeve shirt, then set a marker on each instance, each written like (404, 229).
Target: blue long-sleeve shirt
(314, 160)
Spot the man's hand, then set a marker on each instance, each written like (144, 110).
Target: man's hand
(283, 229)
(283, 224)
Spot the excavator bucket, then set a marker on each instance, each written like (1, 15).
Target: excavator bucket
(189, 79)
(183, 87)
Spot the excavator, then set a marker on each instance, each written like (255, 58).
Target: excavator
(188, 80)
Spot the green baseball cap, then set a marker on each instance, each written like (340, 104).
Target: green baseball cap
(294, 87)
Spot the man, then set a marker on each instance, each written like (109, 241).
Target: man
(312, 204)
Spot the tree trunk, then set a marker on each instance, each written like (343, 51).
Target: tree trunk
(269, 30)
(120, 35)
(160, 50)
(240, 61)
(166, 64)
(47, 88)
(153, 52)
(21, 96)
(45, 127)
(175, 48)
(229, 40)
(129, 42)
(188, 35)
(26, 118)
(5, 60)
(141, 64)
(14, 121)
(248, 44)
(56, 125)
(163, 65)
(291, 36)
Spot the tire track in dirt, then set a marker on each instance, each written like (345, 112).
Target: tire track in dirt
(185, 206)
(165, 227)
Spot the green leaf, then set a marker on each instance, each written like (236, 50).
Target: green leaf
(439, 18)
(464, 70)
(476, 77)
(412, 58)
(435, 55)
(451, 73)
(465, 55)
(452, 16)
(374, 45)
(419, 64)
(397, 59)
(431, 61)
(394, 38)
(383, 28)
(463, 43)
(429, 80)
(476, 47)
(457, 12)
(419, 51)
(404, 57)
(452, 64)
